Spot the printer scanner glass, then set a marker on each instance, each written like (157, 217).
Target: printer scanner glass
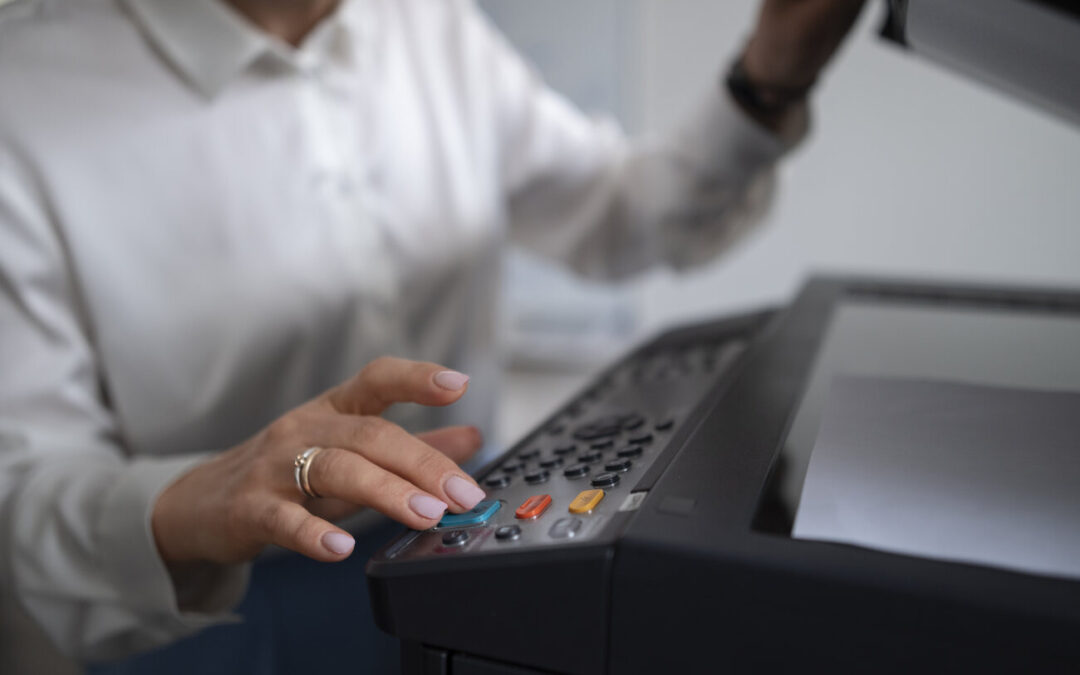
(880, 344)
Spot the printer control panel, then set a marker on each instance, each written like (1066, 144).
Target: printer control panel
(565, 481)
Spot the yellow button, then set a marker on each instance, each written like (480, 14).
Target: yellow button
(586, 501)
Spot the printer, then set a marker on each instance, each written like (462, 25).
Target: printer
(882, 476)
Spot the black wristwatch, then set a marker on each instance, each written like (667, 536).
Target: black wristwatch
(759, 98)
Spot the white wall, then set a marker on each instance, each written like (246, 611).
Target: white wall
(910, 170)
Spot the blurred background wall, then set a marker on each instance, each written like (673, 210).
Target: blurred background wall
(909, 170)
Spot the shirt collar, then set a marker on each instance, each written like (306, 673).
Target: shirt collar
(209, 43)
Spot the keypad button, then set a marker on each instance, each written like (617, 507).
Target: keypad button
(597, 430)
(603, 445)
(589, 457)
(508, 532)
(618, 465)
(566, 449)
(551, 463)
(480, 513)
(630, 451)
(631, 422)
(497, 481)
(665, 424)
(513, 467)
(455, 537)
(532, 453)
(604, 480)
(533, 507)
(537, 477)
(565, 528)
(586, 501)
(556, 429)
(609, 420)
(643, 438)
(576, 470)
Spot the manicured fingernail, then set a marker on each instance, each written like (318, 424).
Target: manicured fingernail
(338, 543)
(426, 506)
(463, 492)
(451, 380)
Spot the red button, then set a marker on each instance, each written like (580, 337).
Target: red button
(533, 506)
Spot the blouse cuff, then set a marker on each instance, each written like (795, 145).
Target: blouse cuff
(131, 558)
(719, 128)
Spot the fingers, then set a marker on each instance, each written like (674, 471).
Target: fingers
(390, 380)
(291, 526)
(457, 443)
(398, 452)
(346, 475)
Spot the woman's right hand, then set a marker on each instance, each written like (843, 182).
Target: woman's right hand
(229, 508)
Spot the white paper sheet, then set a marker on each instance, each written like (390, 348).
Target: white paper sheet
(936, 469)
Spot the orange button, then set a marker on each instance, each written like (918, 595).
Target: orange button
(533, 506)
(586, 501)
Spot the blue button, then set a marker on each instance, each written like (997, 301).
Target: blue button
(478, 514)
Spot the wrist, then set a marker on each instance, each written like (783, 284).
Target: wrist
(174, 520)
(771, 105)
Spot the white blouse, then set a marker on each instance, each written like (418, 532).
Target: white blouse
(201, 227)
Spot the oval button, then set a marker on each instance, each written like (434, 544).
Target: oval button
(565, 528)
(586, 501)
(533, 507)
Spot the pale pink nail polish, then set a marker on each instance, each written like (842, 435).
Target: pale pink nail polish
(427, 506)
(338, 543)
(451, 380)
(463, 492)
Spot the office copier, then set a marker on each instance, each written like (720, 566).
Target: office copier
(882, 476)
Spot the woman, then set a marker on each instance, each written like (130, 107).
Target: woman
(213, 212)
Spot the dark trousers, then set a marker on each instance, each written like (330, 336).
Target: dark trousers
(300, 616)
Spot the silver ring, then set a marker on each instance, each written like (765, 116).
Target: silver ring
(301, 466)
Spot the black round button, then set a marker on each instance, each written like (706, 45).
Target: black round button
(455, 537)
(665, 424)
(529, 454)
(537, 477)
(594, 456)
(618, 465)
(643, 438)
(605, 480)
(551, 463)
(565, 449)
(631, 421)
(597, 430)
(576, 470)
(630, 451)
(497, 481)
(556, 429)
(513, 467)
(508, 532)
(603, 445)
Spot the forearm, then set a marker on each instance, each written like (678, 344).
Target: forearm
(676, 200)
(781, 63)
